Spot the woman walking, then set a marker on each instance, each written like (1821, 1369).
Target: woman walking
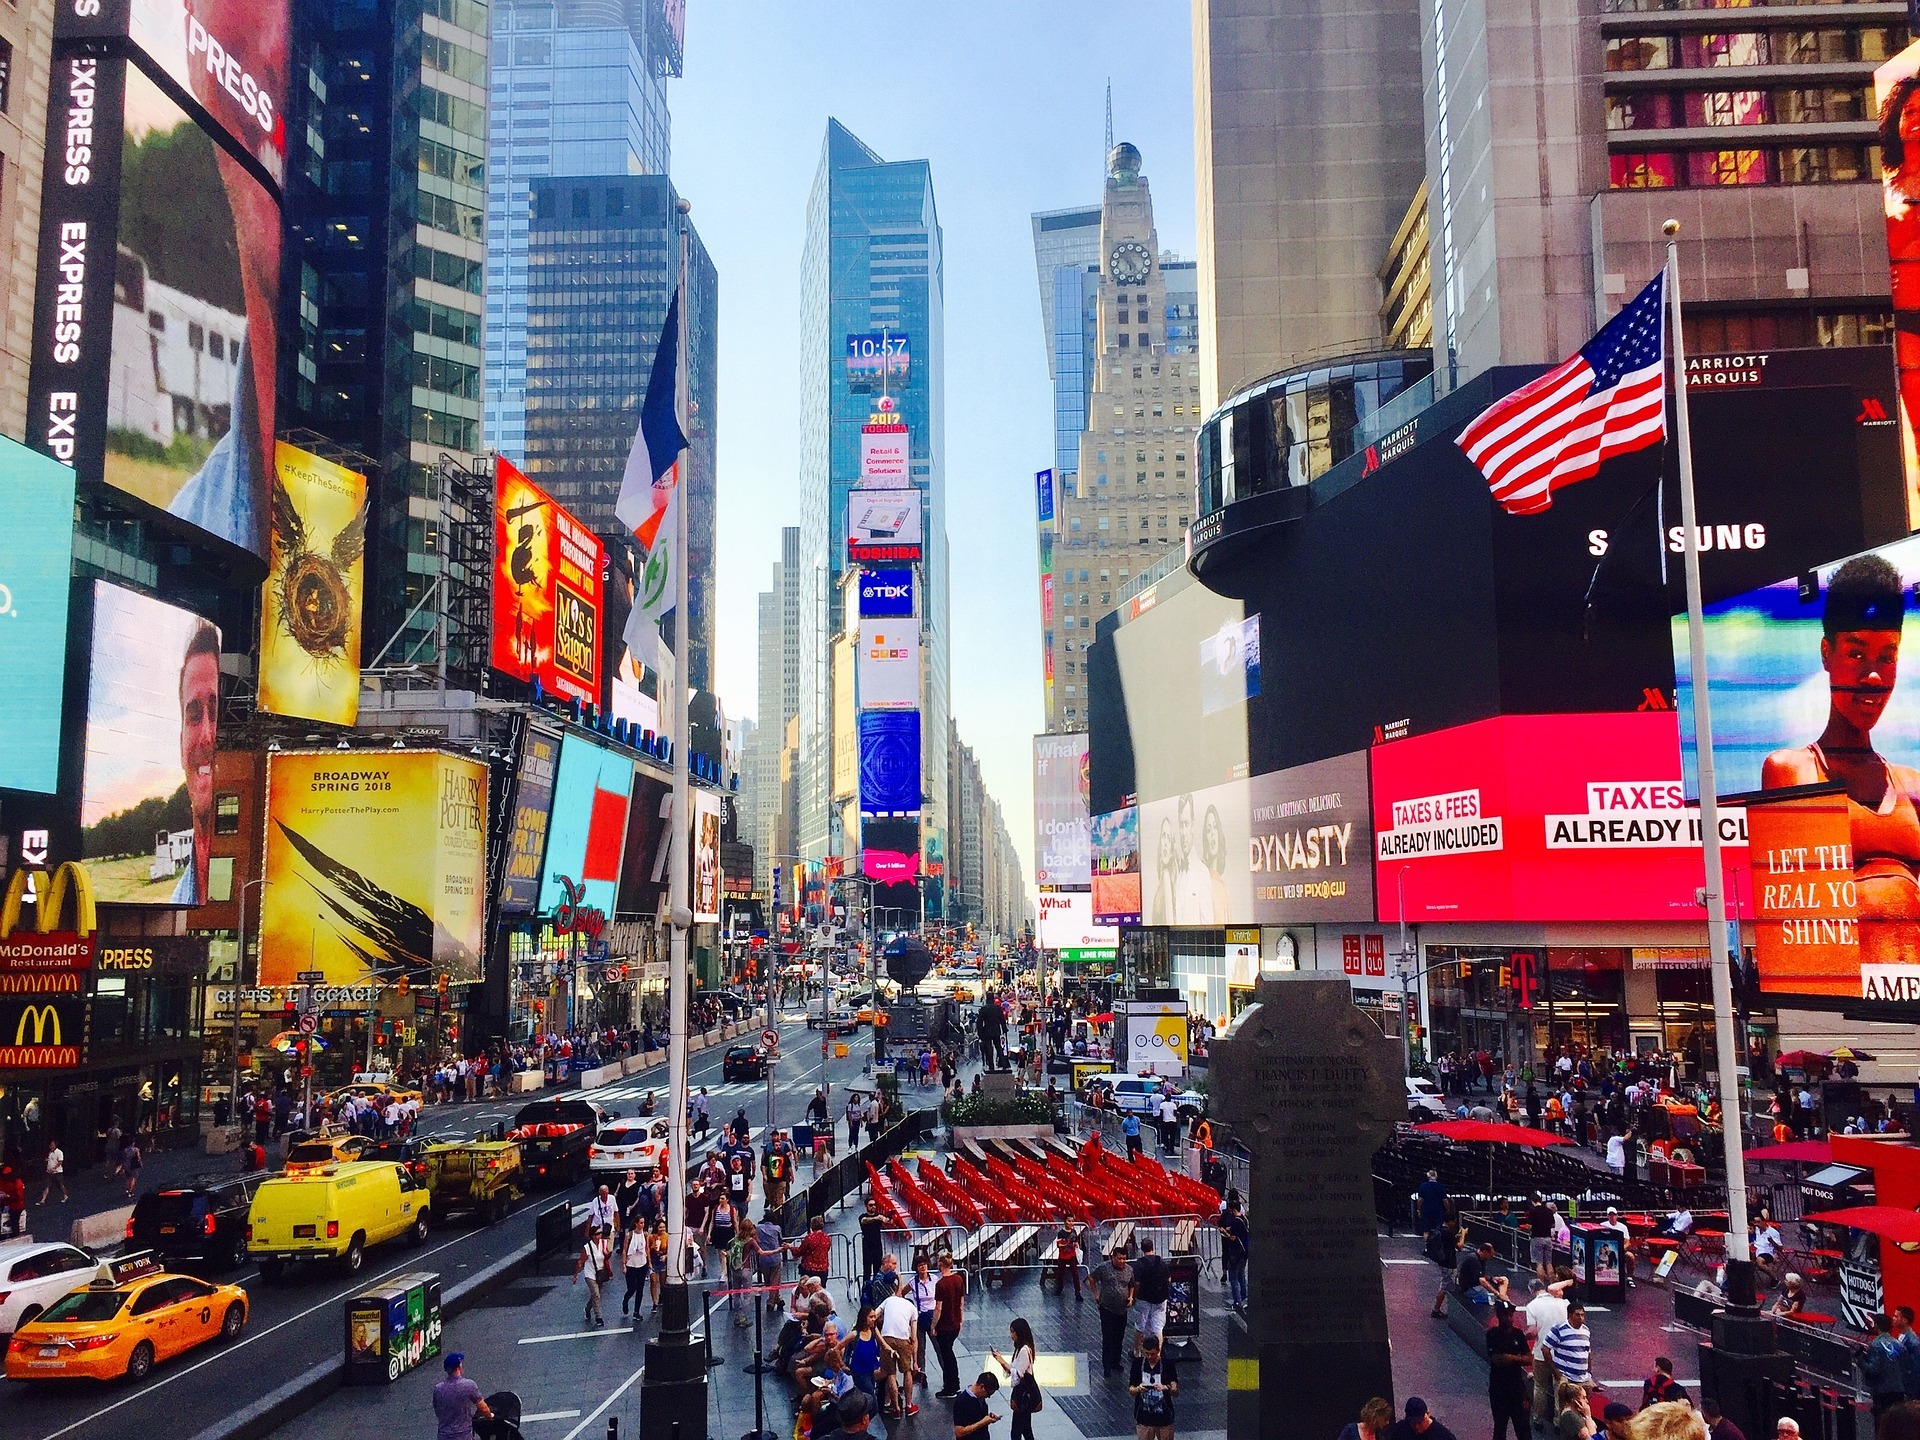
(595, 1262)
(1025, 1390)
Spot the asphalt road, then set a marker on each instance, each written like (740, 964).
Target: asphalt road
(297, 1321)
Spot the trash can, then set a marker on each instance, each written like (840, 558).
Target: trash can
(392, 1328)
(1598, 1264)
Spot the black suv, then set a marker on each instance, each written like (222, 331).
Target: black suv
(204, 1219)
(744, 1062)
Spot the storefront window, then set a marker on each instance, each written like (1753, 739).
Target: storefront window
(1586, 1008)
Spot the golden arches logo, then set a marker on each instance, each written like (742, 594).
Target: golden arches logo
(44, 1018)
(51, 899)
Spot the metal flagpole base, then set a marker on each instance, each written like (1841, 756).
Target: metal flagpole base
(673, 1390)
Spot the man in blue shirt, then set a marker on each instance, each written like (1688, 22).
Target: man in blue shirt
(1130, 1127)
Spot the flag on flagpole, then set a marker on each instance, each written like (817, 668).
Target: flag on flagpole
(648, 489)
(1609, 399)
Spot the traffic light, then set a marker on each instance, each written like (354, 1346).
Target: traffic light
(443, 985)
(1506, 977)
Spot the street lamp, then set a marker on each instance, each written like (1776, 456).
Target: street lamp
(239, 970)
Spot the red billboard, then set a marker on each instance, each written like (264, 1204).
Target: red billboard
(547, 569)
(1546, 817)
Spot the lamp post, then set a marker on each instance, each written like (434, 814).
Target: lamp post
(239, 973)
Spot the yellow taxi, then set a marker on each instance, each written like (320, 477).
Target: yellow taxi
(125, 1324)
(329, 1145)
(376, 1090)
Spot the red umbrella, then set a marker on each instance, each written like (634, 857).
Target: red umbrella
(1889, 1222)
(1801, 1060)
(1471, 1131)
(1811, 1152)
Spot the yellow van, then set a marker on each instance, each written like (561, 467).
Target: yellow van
(334, 1213)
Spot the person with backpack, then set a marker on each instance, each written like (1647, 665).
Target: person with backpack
(1153, 1381)
(595, 1263)
(1881, 1368)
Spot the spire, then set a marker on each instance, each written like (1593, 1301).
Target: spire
(1109, 147)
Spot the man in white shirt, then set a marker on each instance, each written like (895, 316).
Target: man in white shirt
(602, 1213)
(1169, 1112)
(899, 1327)
(1546, 1309)
(1766, 1245)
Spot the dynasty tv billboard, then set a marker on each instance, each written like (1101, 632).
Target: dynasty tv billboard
(706, 857)
(588, 828)
(1062, 829)
(889, 664)
(36, 569)
(1116, 866)
(155, 327)
(547, 576)
(889, 762)
(1546, 817)
(310, 613)
(228, 57)
(153, 715)
(1804, 676)
(873, 354)
(376, 867)
(1289, 846)
(532, 806)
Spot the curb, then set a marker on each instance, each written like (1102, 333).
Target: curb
(314, 1384)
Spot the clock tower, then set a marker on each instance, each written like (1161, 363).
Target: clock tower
(1132, 498)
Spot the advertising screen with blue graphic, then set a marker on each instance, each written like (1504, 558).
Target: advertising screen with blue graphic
(886, 594)
(889, 762)
(36, 561)
(587, 833)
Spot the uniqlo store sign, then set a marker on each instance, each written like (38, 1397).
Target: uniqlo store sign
(1544, 817)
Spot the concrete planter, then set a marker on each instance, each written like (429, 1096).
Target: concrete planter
(526, 1080)
(600, 1075)
(962, 1133)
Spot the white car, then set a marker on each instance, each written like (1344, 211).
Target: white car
(1141, 1094)
(633, 1144)
(32, 1277)
(1424, 1101)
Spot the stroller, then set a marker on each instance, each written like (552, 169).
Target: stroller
(504, 1423)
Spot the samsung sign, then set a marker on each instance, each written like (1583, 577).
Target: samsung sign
(886, 593)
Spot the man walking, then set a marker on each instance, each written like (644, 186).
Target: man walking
(1236, 1239)
(456, 1400)
(1153, 1383)
(1570, 1344)
(873, 1227)
(56, 1172)
(1152, 1282)
(1545, 1310)
(1112, 1284)
(1508, 1356)
(949, 1306)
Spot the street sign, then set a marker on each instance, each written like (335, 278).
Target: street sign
(309, 1023)
(306, 1071)
(312, 977)
(770, 1037)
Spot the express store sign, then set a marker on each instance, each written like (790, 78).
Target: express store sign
(1544, 817)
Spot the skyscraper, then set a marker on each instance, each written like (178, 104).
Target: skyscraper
(381, 304)
(578, 88)
(1131, 498)
(603, 261)
(871, 262)
(779, 675)
(1066, 253)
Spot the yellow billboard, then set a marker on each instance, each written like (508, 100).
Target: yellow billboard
(376, 867)
(310, 614)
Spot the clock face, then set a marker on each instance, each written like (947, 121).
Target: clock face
(1130, 263)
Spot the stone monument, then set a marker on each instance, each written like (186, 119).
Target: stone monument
(1311, 1088)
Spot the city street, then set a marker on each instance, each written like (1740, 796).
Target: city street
(297, 1322)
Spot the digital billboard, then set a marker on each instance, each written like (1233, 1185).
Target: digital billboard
(1288, 846)
(706, 857)
(547, 590)
(1062, 828)
(1804, 676)
(885, 461)
(1116, 866)
(1546, 817)
(1813, 916)
(886, 594)
(153, 716)
(883, 525)
(230, 57)
(872, 354)
(890, 850)
(889, 664)
(36, 569)
(376, 867)
(532, 806)
(1230, 665)
(587, 831)
(1896, 86)
(644, 873)
(1066, 923)
(889, 762)
(310, 613)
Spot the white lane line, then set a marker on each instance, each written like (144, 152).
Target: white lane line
(574, 1335)
(600, 1409)
(548, 1415)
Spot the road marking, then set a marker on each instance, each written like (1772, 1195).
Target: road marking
(574, 1335)
(600, 1409)
(548, 1415)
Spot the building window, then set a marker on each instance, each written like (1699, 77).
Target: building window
(226, 813)
(6, 76)
(1729, 167)
(1640, 52)
(1124, 341)
(581, 208)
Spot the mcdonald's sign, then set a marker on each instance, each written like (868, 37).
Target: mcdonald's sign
(42, 1032)
(45, 946)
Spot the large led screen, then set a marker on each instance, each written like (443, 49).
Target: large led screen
(1062, 828)
(889, 762)
(532, 808)
(1546, 817)
(890, 850)
(548, 570)
(883, 525)
(376, 867)
(644, 872)
(886, 594)
(153, 716)
(36, 569)
(190, 390)
(1116, 866)
(310, 613)
(874, 354)
(588, 828)
(1066, 923)
(1804, 677)
(230, 56)
(706, 857)
(889, 664)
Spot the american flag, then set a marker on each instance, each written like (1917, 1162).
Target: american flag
(1609, 399)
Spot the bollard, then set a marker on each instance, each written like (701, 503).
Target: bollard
(759, 1368)
(706, 1326)
(613, 1427)
(759, 1365)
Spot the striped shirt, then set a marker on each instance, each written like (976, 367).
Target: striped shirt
(1571, 1349)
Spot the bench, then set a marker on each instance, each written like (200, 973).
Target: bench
(967, 1252)
(1009, 1247)
(1184, 1234)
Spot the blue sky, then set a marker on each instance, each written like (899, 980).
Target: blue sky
(1007, 102)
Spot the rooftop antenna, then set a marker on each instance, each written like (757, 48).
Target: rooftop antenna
(1109, 149)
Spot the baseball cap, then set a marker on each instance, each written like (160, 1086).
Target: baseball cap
(852, 1408)
(454, 1361)
(1416, 1407)
(1617, 1411)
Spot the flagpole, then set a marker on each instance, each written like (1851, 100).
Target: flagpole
(681, 917)
(1741, 1294)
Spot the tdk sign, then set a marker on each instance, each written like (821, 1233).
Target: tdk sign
(886, 592)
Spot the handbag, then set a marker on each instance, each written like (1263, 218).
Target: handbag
(1026, 1395)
